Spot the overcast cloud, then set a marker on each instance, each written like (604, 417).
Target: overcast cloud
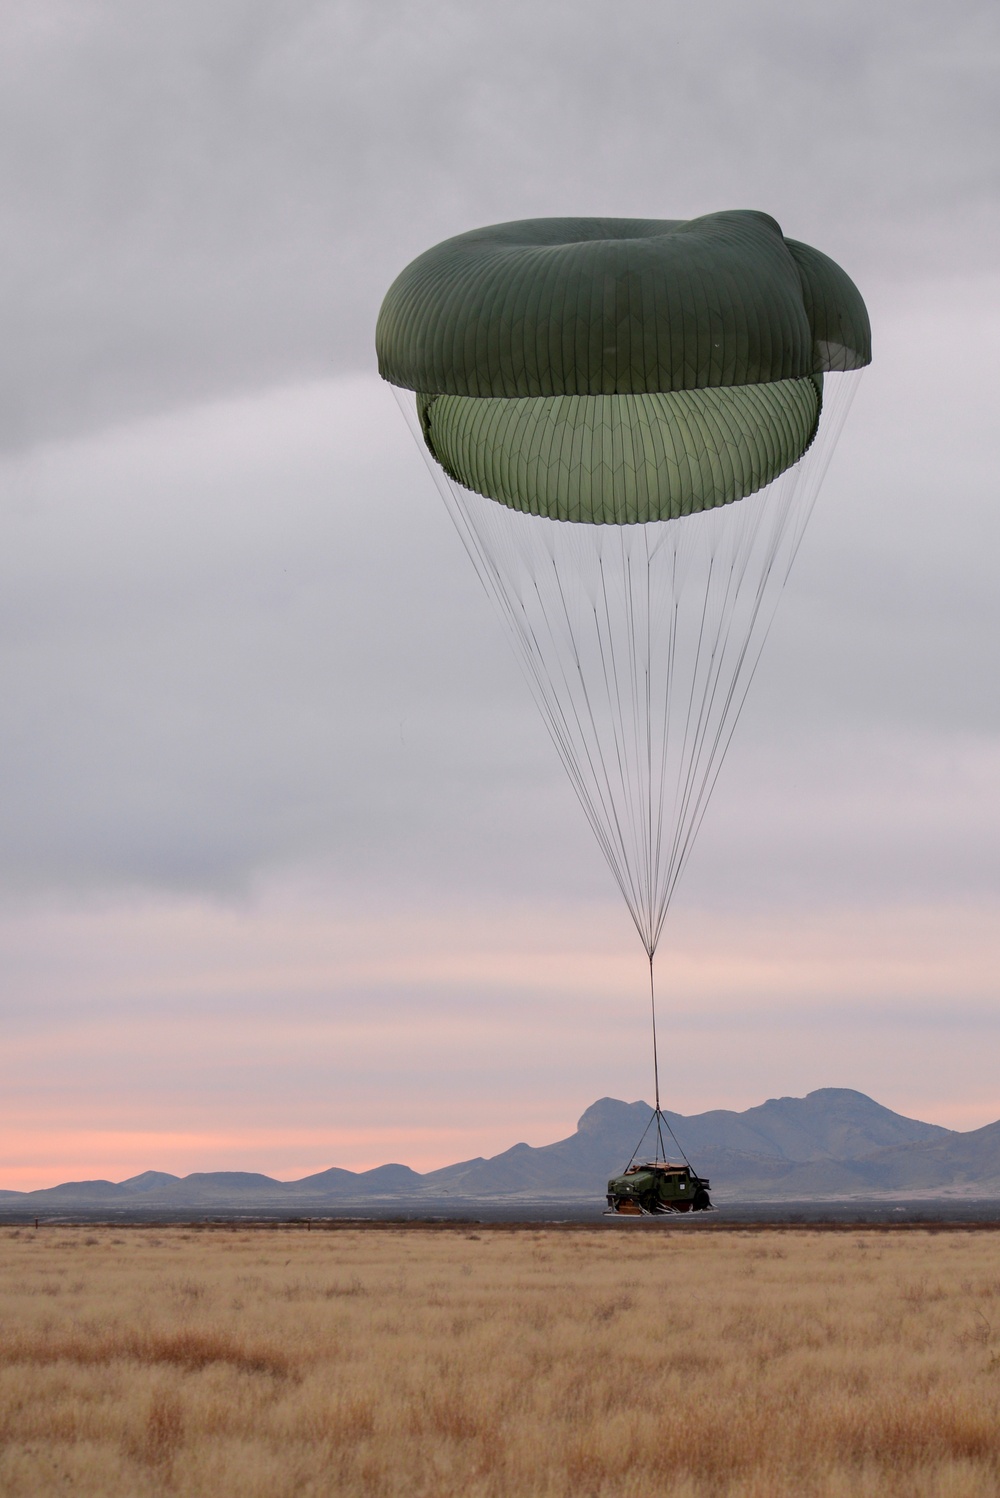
(250, 682)
(203, 198)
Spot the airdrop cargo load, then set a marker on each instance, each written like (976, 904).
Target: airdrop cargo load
(658, 1187)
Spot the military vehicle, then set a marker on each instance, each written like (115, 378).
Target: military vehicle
(657, 1187)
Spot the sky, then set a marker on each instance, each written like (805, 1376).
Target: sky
(290, 875)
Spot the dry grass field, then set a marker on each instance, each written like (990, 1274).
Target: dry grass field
(488, 1363)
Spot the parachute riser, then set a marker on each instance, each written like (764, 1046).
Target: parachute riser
(658, 1117)
(652, 1015)
(662, 1123)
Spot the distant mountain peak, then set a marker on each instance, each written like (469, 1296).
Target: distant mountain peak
(609, 1110)
(834, 1092)
(149, 1180)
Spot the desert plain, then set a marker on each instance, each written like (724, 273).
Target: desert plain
(491, 1362)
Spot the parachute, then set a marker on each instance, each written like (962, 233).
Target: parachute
(629, 420)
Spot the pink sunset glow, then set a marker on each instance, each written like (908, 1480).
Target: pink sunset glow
(186, 1011)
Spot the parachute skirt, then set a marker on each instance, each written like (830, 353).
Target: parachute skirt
(623, 459)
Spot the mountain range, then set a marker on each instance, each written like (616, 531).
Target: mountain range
(832, 1143)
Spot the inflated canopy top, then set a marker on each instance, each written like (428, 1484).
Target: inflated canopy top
(595, 306)
(620, 371)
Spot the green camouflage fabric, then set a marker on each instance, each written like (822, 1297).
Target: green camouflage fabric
(620, 370)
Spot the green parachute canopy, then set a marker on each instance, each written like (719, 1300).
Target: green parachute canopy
(620, 371)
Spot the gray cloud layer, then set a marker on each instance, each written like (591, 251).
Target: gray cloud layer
(240, 634)
(244, 636)
(203, 198)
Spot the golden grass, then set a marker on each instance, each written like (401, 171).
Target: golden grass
(635, 1361)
